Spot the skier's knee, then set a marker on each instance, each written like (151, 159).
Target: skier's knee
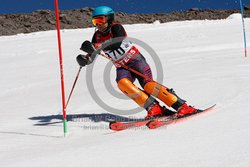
(132, 91)
(161, 92)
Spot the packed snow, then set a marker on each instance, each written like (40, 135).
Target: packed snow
(202, 60)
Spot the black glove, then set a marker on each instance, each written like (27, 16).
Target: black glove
(83, 60)
(88, 47)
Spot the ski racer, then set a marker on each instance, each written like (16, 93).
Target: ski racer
(125, 53)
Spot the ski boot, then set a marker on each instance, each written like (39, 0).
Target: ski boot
(185, 109)
(155, 110)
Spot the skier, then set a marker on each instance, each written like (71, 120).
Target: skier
(125, 53)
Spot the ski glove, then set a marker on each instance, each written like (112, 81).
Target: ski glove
(83, 60)
(88, 47)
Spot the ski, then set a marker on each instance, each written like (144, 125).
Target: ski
(154, 122)
(118, 126)
(158, 122)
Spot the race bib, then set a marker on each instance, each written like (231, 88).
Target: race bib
(120, 52)
(123, 54)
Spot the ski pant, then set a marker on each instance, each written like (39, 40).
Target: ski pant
(139, 64)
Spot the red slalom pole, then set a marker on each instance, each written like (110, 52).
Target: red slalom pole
(61, 67)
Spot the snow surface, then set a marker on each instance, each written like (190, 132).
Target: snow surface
(202, 60)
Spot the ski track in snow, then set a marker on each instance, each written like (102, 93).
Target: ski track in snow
(202, 60)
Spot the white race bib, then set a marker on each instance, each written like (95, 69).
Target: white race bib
(120, 52)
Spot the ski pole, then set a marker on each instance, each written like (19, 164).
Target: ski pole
(72, 89)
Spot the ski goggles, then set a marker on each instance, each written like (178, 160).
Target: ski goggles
(100, 20)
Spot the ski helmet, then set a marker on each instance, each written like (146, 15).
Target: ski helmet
(104, 11)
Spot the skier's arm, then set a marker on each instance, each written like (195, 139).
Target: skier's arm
(95, 48)
(114, 43)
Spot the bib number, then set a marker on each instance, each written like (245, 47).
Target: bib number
(120, 52)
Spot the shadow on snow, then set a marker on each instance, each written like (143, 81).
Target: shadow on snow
(104, 117)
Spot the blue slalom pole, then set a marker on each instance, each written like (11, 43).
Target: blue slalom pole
(244, 30)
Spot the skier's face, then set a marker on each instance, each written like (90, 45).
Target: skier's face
(102, 27)
(100, 22)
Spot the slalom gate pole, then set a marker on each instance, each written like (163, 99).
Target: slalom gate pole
(132, 70)
(72, 89)
(244, 30)
(61, 67)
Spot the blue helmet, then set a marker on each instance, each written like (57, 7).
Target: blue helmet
(104, 11)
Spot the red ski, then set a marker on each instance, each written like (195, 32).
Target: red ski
(155, 122)
(158, 122)
(118, 126)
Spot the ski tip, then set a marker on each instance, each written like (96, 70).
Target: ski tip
(210, 107)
